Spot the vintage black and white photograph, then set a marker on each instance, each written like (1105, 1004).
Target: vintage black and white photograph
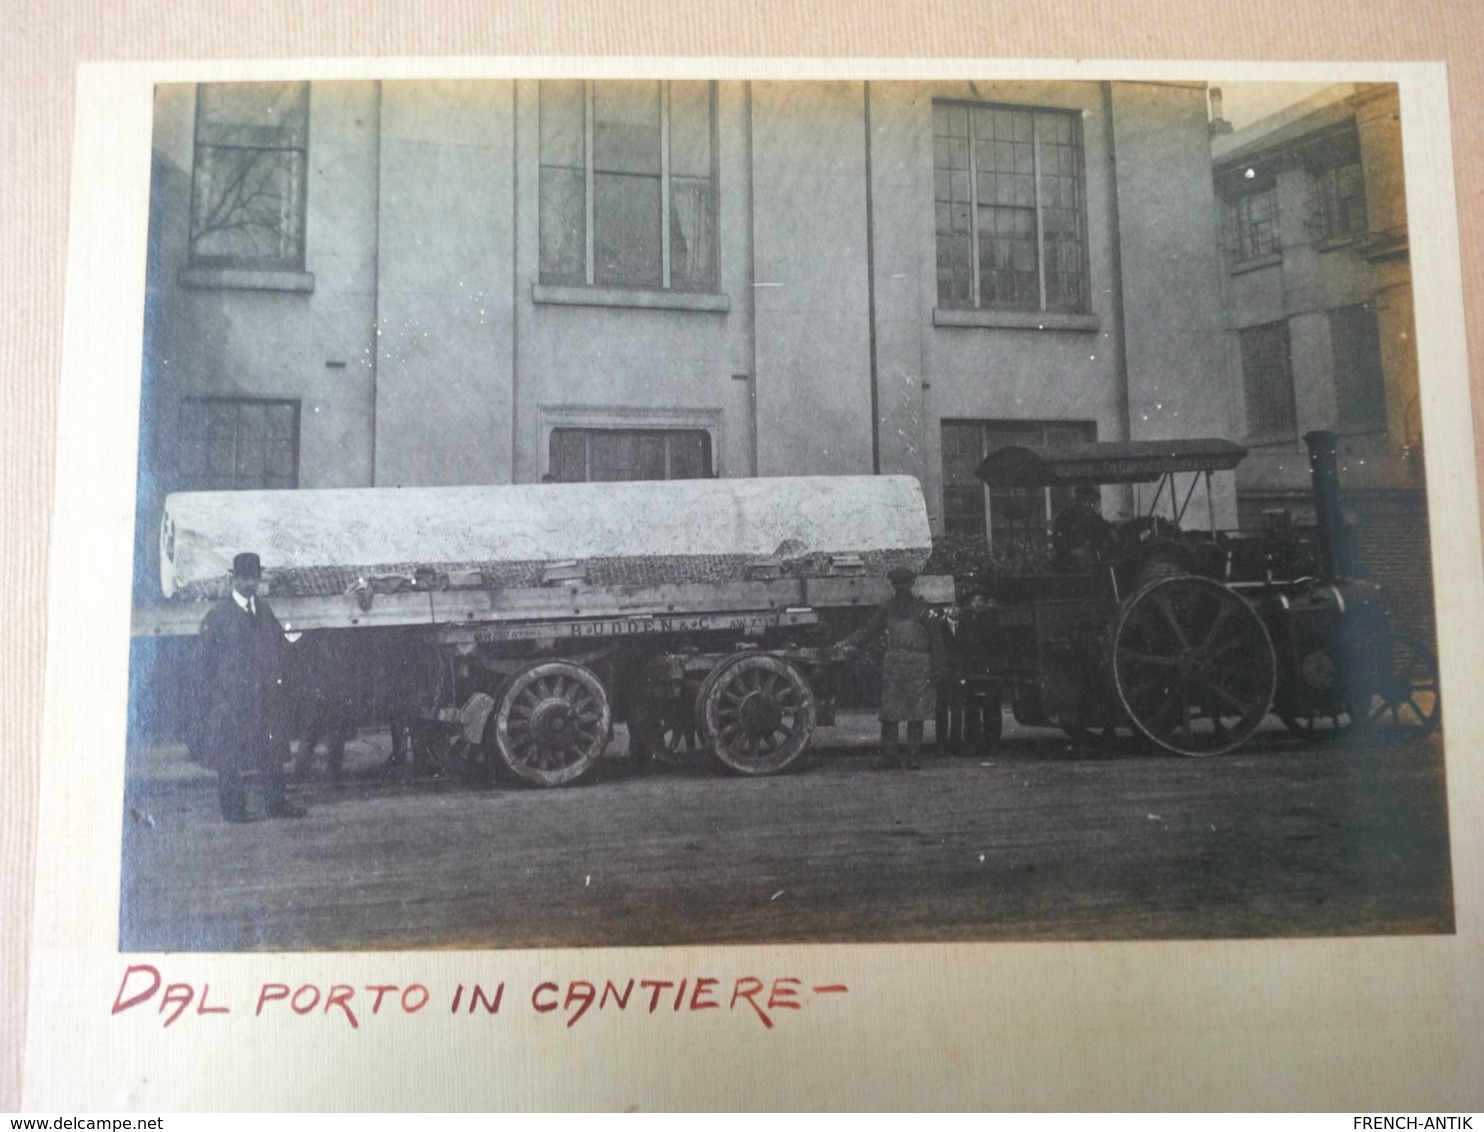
(594, 512)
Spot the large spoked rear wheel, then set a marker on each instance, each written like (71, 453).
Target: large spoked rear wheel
(1193, 666)
(552, 723)
(756, 713)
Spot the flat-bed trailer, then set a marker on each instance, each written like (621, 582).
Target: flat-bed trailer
(524, 621)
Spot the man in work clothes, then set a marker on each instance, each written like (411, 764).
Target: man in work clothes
(1080, 536)
(914, 660)
(246, 700)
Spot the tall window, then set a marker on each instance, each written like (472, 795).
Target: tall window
(1360, 384)
(628, 184)
(969, 508)
(1252, 225)
(1337, 188)
(248, 181)
(1267, 382)
(584, 455)
(1008, 190)
(231, 443)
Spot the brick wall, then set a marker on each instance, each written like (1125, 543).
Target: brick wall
(1389, 539)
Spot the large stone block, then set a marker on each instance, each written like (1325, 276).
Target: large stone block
(638, 533)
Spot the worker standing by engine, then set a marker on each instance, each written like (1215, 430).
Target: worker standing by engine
(913, 662)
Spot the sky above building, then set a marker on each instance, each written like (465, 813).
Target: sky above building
(1245, 103)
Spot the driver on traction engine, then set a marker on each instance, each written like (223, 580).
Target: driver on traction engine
(1080, 536)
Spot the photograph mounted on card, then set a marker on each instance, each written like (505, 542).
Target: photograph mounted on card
(584, 512)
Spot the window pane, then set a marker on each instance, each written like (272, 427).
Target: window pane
(253, 114)
(562, 117)
(626, 229)
(626, 204)
(568, 455)
(610, 454)
(951, 196)
(649, 456)
(690, 129)
(1337, 190)
(1253, 218)
(1267, 380)
(690, 455)
(1360, 384)
(1017, 510)
(229, 444)
(246, 204)
(281, 420)
(626, 127)
(562, 224)
(692, 233)
(963, 494)
(248, 178)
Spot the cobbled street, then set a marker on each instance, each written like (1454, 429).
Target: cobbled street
(1039, 840)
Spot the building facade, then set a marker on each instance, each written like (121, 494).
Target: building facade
(398, 283)
(1321, 323)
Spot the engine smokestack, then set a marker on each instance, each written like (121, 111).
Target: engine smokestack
(1324, 469)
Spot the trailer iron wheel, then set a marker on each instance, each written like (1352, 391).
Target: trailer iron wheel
(1404, 687)
(756, 713)
(1193, 666)
(552, 723)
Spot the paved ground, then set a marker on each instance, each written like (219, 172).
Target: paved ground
(1040, 840)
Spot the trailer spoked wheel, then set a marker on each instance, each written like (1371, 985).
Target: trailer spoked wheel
(1193, 666)
(756, 713)
(1404, 689)
(552, 723)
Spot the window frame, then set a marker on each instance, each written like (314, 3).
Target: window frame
(227, 266)
(1248, 252)
(1289, 433)
(567, 288)
(1349, 393)
(1052, 499)
(975, 302)
(667, 434)
(1325, 163)
(195, 482)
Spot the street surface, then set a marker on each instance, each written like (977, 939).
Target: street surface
(1039, 840)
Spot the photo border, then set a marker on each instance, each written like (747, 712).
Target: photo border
(985, 1025)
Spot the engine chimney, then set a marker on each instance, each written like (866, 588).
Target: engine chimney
(1325, 471)
(1218, 125)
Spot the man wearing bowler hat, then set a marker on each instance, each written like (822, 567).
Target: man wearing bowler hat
(247, 702)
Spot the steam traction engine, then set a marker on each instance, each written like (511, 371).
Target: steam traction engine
(1190, 639)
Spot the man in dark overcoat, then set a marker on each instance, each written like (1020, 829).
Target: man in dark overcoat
(247, 706)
